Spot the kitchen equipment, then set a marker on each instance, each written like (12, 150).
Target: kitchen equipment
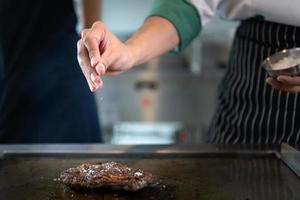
(161, 92)
(185, 172)
(146, 133)
(285, 62)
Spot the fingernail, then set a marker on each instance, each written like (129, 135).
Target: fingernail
(91, 88)
(93, 77)
(100, 69)
(94, 61)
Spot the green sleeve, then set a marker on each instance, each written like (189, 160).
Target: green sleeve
(183, 15)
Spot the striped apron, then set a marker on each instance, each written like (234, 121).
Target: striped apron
(250, 111)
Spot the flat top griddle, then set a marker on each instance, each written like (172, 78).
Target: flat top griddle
(233, 174)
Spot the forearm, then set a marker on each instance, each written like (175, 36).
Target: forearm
(156, 37)
(91, 12)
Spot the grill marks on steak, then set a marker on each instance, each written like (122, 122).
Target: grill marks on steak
(106, 174)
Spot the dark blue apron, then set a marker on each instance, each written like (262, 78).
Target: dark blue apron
(43, 95)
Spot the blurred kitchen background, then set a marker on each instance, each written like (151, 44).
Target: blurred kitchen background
(170, 99)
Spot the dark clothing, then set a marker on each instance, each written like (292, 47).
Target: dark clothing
(43, 95)
(249, 110)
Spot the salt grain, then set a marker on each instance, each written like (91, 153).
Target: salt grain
(138, 174)
(286, 63)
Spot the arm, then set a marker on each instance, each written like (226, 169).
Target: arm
(171, 24)
(91, 12)
(156, 37)
(113, 57)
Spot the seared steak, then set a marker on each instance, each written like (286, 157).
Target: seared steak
(106, 174)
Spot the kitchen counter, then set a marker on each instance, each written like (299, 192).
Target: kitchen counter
(167, 150)
(206, 172)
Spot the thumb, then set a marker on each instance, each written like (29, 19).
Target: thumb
(103, 65)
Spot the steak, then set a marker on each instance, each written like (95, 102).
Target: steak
(116, 176)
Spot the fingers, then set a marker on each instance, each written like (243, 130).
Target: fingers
(91, 45)
(96, 40)
(105, 63)
(93, 42)
(100, 68)
(90, 74)
(283, 86)
(93, 39)
(289, 80)
(101, 53)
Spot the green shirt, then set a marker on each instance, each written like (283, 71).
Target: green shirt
(183, 15)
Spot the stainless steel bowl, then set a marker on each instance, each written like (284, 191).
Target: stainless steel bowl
(289, 68)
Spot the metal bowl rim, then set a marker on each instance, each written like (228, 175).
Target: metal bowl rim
(264, 63)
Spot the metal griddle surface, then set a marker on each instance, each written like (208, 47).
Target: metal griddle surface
(249, 178)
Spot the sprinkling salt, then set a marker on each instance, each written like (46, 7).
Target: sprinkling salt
(138, 174)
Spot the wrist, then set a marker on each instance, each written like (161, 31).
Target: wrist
(133, 55)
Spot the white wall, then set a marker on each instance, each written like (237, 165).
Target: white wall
(121, 16)
(125, 16)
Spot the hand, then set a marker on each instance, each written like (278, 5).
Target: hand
(285, 83)
(101, 53)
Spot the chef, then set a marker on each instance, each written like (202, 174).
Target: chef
(252, 107)
(43, 98)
